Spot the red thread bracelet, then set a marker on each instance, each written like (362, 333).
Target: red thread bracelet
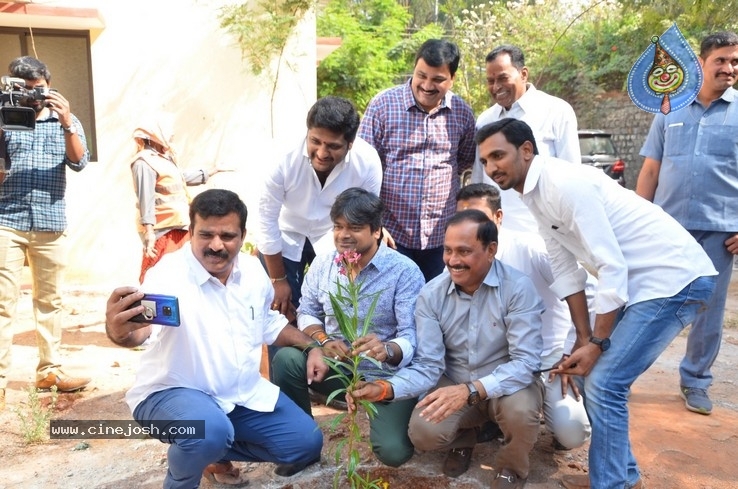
(385, 387)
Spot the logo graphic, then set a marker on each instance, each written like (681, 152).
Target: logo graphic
(667, 76)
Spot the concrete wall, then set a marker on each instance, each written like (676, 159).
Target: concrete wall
(172, 55)
(627, 123)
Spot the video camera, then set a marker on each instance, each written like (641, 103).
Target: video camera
(16, 113)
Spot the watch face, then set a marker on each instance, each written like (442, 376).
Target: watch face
(603, 343)
(473, 398)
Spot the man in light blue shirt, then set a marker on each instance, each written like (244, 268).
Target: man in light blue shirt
(479, 344)
(357, 227)
(691, 171)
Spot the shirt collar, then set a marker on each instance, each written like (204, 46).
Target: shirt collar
(492, 279)
(729, 95)
(50, 116)
(534, 173)
(202, 276)
(346, 160)
(526, 101)
(408, 99)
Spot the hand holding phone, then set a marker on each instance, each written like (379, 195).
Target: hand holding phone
(158, 309)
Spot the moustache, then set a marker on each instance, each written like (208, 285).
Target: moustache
(217, 254)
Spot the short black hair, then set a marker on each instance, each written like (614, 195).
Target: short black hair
(716, 41)
(359, 207)
(335, 114)
(485, 191)
(218, 202)
(29, 68)
(487, 230)
(515, 131)
(517, 58)
(439, 52)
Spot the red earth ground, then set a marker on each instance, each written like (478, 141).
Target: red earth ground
(675, 448)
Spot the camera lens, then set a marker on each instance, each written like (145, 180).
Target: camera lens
(166, 310)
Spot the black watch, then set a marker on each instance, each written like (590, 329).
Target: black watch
(474, 396)
(603, 343)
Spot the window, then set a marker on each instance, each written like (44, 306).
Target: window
(67, 54)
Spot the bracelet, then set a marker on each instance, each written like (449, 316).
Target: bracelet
(385, 387)
(279, 279)
(322, 337)
(310, 347)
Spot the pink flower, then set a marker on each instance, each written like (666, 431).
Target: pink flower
(347, 263)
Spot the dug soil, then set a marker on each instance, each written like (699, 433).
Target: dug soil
(675, 448)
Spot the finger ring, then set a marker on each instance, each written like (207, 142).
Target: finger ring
(336, 357)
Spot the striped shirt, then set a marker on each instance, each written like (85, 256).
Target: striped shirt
(422, 155)
(32, 196)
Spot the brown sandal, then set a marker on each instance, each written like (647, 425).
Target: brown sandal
(225, 473)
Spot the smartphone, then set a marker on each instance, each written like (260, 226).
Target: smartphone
(158, 309)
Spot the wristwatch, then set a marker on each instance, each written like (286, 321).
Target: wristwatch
(603, 343)
(390, 352)
(474, 396)
(72, 129)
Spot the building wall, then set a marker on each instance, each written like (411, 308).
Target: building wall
(627, 123)
(172, 55)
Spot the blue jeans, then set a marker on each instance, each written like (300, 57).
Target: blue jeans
(642, 332)
(286, 435)
(703, 342)
(430, 260)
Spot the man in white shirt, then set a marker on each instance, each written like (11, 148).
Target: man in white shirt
(552, 119)
(298, 193)
(653, 278)
(563, 410)
(207, 369)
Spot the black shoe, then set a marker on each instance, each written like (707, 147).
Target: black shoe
(288, 470)
(488, 431)
(457, 461)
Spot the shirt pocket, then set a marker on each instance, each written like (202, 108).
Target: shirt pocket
(676, 141)
(722, 140)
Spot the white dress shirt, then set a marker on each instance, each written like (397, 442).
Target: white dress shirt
(638, 251)
(294, 206)
(217, 347)
(554, 127)
(527, 252)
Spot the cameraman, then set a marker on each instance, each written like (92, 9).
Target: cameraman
(33, 221)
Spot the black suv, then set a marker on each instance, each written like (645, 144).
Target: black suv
(597, 150)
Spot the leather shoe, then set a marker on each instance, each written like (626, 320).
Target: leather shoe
(581, 481)
(62, 382)
(507, 479)
(288, 470)
(225, 473)
(457, 461)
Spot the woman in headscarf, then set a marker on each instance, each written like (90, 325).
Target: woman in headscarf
(161, 187)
